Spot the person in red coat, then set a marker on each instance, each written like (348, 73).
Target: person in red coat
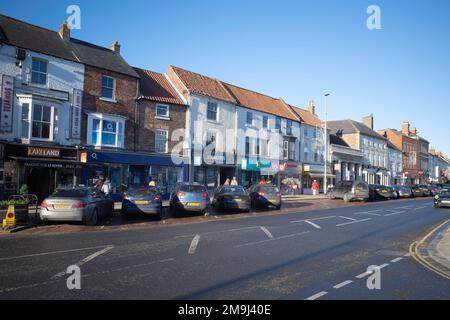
(315, 187)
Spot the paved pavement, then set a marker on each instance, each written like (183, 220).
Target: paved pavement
(293, 254)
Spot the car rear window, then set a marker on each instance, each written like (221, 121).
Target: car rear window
(268, 188)
(361, 186)
(192, 188)
(143, 191)
(70, 193)
(235, 190)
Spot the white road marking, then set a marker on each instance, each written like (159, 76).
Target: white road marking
(396, 259)
(351, 219)
(312, 224)
(405, 207)
(33, 285)
(362, 275)
(384, 265)
(393, 213)
(52, 252)
(317, 295)
(418, 208)
(342, 284)
(313, 219)
(85, 260)
(272, 239)
(215, 232)
(267, 232)
(194, 244)
(407, 255)
(372, 213)
(352, 222)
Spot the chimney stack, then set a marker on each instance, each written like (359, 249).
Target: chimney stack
(64, 30)
(414, 131)
(115, 46)
(368, 121)
(311, 107)
(405, 128)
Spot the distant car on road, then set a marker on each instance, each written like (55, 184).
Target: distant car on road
(264, 196)
(189, 197)
(403, 191)
(417, 191)
(142, 200)
(349, 190)
(77, 204)
(231, 197)
(442, 199)
(381, 192)
(426, 191)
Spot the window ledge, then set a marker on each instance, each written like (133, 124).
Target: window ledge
(216, 122)
(108, 100)
(162, 118)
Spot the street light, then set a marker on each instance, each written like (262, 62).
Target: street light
(326, 147)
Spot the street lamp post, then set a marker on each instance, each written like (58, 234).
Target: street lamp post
(326, 147)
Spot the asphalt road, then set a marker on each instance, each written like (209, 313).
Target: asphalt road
(318, 255)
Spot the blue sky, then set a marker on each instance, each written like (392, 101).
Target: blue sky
(297, 50)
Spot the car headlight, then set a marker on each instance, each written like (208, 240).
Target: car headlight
(436, 197)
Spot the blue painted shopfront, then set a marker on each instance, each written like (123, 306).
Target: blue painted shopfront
(125, 169)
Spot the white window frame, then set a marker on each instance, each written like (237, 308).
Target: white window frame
(166, 146)
(217, 111)
(113, 99)
(32, 71)
(101, 117)
(31, 104)
(167, 115)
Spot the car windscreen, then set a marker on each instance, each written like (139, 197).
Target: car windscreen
(142, 192)
(70, 193)
(445, 192)
(233, 190)
(192, 188)
(265, 188)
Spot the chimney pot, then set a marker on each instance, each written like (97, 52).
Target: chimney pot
(368, 121)
(115, 46)
(405, 128)
(311, 107)
(64, 30)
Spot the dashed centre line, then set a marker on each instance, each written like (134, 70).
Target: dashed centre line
(317, 295)
(342, 284)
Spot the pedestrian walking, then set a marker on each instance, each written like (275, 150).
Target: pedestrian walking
(106, 187)
(315, 188)
(234, 182)
(152, 183)
(99, 183)
(227, 182)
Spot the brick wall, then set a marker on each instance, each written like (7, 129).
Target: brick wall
(148, 124)
(125, 95)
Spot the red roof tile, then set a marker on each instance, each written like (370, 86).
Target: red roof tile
(307, 117)
(200, 84)
(154, 86)
(260, 102)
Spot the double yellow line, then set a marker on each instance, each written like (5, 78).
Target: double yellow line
(414, 252)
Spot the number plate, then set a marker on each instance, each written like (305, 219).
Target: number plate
(141, 202)
(193, 204)
(61, 206)
(237, 200)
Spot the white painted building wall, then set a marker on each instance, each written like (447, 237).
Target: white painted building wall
(62, 77)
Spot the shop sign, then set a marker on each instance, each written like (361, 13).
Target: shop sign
(49, 165)
(76, 113)
(43, 152)
(83, 157)
(7, 104)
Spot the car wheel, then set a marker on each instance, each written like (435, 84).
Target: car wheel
(94, 218)
(347, 198)
(436, 206)
(278, 207)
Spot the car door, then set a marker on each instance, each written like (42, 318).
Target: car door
(338, 190)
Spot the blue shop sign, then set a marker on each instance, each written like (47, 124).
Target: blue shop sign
(253, 164)
(126, 158)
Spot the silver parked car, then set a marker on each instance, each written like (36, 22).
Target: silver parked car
(77, 204)
(189, 197)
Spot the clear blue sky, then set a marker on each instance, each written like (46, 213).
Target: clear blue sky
(297, 50)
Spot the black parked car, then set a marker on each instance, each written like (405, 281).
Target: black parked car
(349, 190)
(142, 200)
(442, 199)
(265, 195)
(231, 197)
(381, 192)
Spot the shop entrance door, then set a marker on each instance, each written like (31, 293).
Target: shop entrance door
(39, 181)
